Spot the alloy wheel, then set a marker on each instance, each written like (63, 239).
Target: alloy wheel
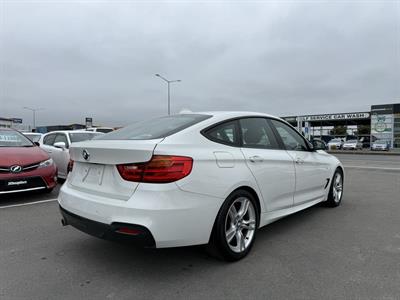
(240, 224)
(337, 187)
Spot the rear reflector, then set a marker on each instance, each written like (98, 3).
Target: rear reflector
(160, 169)
(130, 231)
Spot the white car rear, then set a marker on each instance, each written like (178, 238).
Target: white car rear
(210, 178)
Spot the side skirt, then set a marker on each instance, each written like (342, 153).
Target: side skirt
(269, 217)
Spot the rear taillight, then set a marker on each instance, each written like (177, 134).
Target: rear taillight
(70, 165)
(160, 169)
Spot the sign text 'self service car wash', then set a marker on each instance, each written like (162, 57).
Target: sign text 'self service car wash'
(325, 117)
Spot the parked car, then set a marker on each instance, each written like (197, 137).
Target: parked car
(33, 136)
(352, 145)
(57, 143)
(380, 145)
(23, 165)
(100, 129)
(366, 141)
(189, 179)
(335, 144)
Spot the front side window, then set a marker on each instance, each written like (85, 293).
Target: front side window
(256, 133)
(49, 139)
(61, 137)
(291, 139)
(224, 133)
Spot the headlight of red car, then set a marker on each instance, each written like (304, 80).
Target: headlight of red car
(46, 163)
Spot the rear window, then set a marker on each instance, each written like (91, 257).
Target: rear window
(104, 130)
(155, 128)
(82, 136)
(10, 138)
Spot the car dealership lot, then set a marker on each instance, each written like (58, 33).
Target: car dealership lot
(352, 251)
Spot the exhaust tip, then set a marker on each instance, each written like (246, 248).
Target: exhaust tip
(63, 222)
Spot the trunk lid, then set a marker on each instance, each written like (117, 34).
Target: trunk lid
(95, 161)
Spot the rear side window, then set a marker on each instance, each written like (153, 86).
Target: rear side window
(82, 136)
(155, 128)
(49, 139)
(224, 133)
(256, 133)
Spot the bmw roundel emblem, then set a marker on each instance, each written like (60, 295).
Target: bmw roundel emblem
(85, 154)
(15, 169)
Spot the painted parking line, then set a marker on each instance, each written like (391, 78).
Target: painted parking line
(29, 203)
(372, 168)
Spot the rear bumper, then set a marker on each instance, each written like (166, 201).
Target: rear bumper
(172, 216)
(109, 232)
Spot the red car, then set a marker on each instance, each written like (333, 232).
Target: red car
(23, 165)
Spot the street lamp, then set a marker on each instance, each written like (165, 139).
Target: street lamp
(169, 97)
(34, 114)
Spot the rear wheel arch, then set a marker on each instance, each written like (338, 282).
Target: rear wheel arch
(254, 194)
(217, 245)
(249, 190)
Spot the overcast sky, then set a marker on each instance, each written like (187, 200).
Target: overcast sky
(98, 58)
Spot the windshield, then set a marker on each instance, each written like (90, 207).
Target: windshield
(11, 138)
(33, 137)
(82, 136)
(155, 128)
(380, 142)
(351, 141)
(335, 141)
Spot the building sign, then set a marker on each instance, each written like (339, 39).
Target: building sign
(89, 122)
(16, 120)
(382, 127)
(333, 117)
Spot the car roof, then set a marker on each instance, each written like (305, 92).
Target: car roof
(233, 114)
(73, 131)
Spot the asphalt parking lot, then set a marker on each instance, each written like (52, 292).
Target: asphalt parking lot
(349, 252)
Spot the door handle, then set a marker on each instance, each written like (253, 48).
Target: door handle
(256, 158)
(299, 160)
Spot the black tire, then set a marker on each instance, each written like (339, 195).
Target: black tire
(48, 191)
(218, 245)
(334, 199)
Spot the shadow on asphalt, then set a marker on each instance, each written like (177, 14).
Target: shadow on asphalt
(126, 258)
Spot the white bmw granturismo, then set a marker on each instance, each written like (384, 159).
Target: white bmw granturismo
(201, 178)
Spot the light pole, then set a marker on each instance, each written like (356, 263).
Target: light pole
(169, 97)
(33, 110)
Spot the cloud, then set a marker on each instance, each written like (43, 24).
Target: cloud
(98, 59)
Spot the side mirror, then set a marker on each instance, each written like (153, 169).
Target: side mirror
(37, 144)
(318, 145)
(60, 145)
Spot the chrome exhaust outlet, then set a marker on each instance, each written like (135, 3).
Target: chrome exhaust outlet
(63, 222)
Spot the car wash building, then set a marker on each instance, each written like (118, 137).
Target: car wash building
(382, 122)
